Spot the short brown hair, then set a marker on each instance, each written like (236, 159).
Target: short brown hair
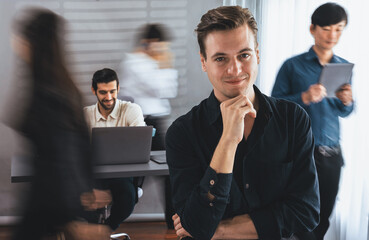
(224, 18)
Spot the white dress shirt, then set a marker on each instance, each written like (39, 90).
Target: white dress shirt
(124, 114)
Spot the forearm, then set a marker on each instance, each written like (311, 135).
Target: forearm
(239, 227)
(205, 205)
(343, 110)
(223, 158)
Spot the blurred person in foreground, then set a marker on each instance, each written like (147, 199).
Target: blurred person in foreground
(148, 76)
(298, 81)
(54, 123)
(241, 163)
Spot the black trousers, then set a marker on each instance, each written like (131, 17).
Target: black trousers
(124, 198)
(328, 167)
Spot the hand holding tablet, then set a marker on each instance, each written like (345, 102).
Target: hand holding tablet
(334, 75)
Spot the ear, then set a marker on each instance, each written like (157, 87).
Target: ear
(118, 88)
(257, 54)
(93, 91)
(312, 29)
(203, 61)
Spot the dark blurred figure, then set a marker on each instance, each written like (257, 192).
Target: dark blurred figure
(54, 122)
(148, 76)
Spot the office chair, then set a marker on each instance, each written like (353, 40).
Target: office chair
(127, 98)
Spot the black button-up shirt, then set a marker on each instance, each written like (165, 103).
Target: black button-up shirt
(274, 178)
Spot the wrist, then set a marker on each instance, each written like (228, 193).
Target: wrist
(305, 98)
(228, 143)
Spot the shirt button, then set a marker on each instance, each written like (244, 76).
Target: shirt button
(212, 182)
(247, 186)
(211, 204)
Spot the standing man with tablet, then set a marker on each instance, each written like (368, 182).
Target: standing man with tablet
(297, 81)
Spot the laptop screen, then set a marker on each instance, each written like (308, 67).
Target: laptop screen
(121, 145)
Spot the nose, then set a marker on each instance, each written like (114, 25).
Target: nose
(332, 34)
(109, 96)
(234, 68)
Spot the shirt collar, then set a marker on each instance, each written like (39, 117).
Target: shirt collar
(312, 55)
(113, 114)
(213, 106)
(265, 110)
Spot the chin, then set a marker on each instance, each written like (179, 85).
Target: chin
(234, 94)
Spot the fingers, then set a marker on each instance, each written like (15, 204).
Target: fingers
(231, 101)
(103, 197)
(176, 222)
(346, 87)
(180, 231)
(178, 226)
(242, 103)
(95, 199)
(87, 201)
(250, 109)
(316, 93)
(345, 95)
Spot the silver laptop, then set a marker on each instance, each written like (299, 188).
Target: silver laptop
(121, 145)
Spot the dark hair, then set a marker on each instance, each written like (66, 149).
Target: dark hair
(104, 75)
(42, 28)
(224, 18)
(328, 14)
(154, 31)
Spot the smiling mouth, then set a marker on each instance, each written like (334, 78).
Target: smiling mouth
(235, 82)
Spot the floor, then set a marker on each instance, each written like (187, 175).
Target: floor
(136, 230)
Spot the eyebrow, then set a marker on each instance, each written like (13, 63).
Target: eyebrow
(219, 54)
(110, 90)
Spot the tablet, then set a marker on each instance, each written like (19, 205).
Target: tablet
(334, 75)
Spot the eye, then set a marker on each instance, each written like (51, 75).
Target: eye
(219, 59)
(244, 55)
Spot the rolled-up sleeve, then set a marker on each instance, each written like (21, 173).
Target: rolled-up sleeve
(199, 194)
(341, 109)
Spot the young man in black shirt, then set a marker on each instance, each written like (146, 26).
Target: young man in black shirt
(241, 163)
